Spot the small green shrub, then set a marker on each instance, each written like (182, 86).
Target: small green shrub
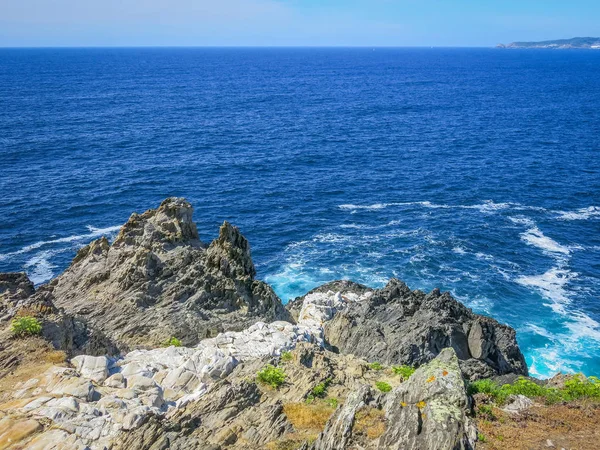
(319, 391)
(481, 437)
(375, 366)
(286, 356)
(486, 412)
(271, 375)
(483, 387)
(575, 388)
(332, 402)
(525, 387)
(383, 386)
(579, 387)
(404, 371)
(173, 341)
(25, 326)
(488, 387)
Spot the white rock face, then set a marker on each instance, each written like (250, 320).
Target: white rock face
(93, 367)
(103, 396)
(517, 403)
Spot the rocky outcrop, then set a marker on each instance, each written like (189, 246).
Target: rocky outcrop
(158, 280)
(117, 303)
(398, 326)
(14, 287)
(431, 410)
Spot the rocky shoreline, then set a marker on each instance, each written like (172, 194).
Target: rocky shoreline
(159, 340)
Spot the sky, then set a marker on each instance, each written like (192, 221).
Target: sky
(77, 23)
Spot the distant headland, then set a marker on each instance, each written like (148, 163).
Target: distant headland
(578, 42)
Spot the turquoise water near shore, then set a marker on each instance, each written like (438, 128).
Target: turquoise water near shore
(473, 170)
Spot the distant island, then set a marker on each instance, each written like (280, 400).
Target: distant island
(578, 42)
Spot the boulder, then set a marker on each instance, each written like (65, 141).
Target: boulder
(93, 367)
(395, 325)
(430, 410)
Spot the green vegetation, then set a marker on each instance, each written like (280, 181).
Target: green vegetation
(481, 437)
(404, 371)
(375, 366)
(286, 356)
(332, 402)
(576, 387)
(383, 386)
(25, 326)
(486, 412)
(271, 375)
(173, 341)
(579, 387)
(319, 391)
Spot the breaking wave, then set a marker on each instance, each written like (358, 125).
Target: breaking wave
(40, 266)
(534, 236)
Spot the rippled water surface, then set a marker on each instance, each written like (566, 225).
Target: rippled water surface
(477, 171)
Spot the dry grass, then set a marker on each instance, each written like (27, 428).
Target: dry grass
(370, 422)
(292, 441)
(55, 357)
(308, 417)
(34, 356)
(570, 426)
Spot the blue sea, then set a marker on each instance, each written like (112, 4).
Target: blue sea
(473, 170)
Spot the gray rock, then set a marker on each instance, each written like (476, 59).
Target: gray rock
(430, 410)
(155, 281)
(338, 431)
(13, 288)
(517, 403)
(93, 367)
(399, 326)
(115, 381)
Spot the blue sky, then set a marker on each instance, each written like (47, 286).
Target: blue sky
(292, 22)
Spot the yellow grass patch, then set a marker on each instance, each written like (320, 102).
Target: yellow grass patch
(370, 421)
(308, 417)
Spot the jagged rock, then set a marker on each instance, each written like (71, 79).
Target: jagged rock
(395, 325)
(13, 287)
(338, 431)
(155, 281)
(430, 410)
(517, 403)
(158, 280)
(92, 367)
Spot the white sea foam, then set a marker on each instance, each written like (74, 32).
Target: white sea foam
(366, 207)
(39, 268)
(551, 285)
(540, 331)
(534, 236)
(565, 348)
(490, 206)
(331, 238)
(580, 214)
(484, 256)
(78, 238)
(459, 250)
(487, 206)
(583, 327)
(522, 221)
(355, 226)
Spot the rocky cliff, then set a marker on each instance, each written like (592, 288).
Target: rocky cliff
(323, 373)
(398, 326)
(158, 280)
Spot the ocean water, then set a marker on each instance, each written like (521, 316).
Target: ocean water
(473, 170)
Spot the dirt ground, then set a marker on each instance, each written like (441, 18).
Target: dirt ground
(571, 426)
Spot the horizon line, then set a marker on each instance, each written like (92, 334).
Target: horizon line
(235, 46)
